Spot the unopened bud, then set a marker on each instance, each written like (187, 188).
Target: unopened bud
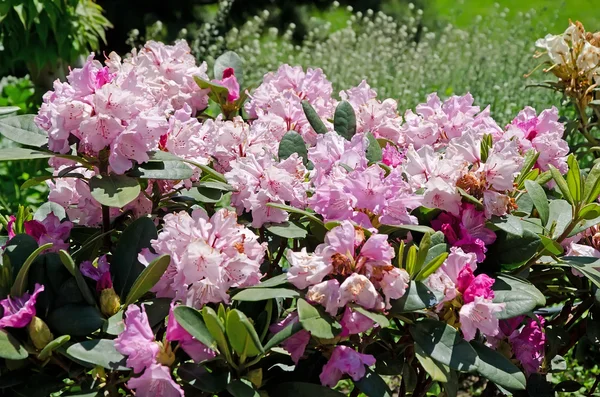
(165, 355)
(39, 333)
(109, 302)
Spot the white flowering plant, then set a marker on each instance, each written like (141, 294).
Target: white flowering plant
(204, 239)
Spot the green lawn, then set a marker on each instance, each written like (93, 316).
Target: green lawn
(554, 13)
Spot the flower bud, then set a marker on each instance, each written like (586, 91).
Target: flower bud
(39, 333)
(109, 302)
(165, 355)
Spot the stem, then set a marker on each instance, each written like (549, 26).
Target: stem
(584, 124)
(594, 386)
(105, 210)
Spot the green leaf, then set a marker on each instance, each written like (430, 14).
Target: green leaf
(497, 368)
(20, 285)
(294, 210)
(126, 267)
(216, 185)
(68, 262)
(444, 344)
(229, 59)
(590, 211)
(313, 118)
(416, 297)
(438, 372)
(23, 130)
(562, 184)
(374, 153)
(10, 348)
(218, 93)
(389, 229)
(19, 153)
(216, 327)
(376, 317)
(75, 320)
(242, 388)
(411, 261)
(561, 213)
(287, 229)
(242, 335)
(591, 188)
(518, 295)
(301, 389)
(344, 120)
(511, 250)
(47, 208)
(530, 159)
(174, 170)
(282, 335)
(431, 266)
(5, 111)
(574, 179)
(17, 250)
(208, 195)
(551, 247)
(291, 143)
(100, 352)
(148, 278)
(424, 245)
(510, 224)
(540, 201)
(373, 385)
(261, 294)
(272, 282)
(50, 347)
(200, 378)
(192, 321)
(316, 322)
(588, 266)
(114, 190)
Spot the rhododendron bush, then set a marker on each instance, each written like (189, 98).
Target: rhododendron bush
(201, 238)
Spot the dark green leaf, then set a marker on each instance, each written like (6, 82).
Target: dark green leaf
(301, 389)
(100, 352)
(200, 378)
(568, 386)
(242, 388)
(53, 345)
(114, 190)
(389, 229)
(10, 348)
(316, 322)
(373, 385)
(510, 224)
(416, 297)
(313, 118)
(287, 230)
(22, 129)
(191, 320)
(518, 295)
(294, 210)
(272, 282)
(75, 320)
(68, 262)
(148, 278)
(376, 317)
(291, 143)
(512, 251)
(591, 188)
(344, 120)
(126, 267)
(438, 372)
(588, 266)
(208, 195)
(497, 368)
(20, 285)
(562, 184)
(261, 294)
(282, 335)
(175, 170)
(561, 213)
(17, 250)
(443, 343)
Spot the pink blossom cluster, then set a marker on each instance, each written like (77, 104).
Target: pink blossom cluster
(209, 255)
(471, 295)
(528, 342)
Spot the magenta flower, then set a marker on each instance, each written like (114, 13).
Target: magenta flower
(295, 344)
(529, 344)
(230, 82)
(156, 381)
(345, 360)
(18, 312)
(10, 226)
(50, 230)
(99, 273)
(392, 157)
(467, 232)
(137, 340)
(194, 348)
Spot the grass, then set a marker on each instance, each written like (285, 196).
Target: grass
(555, 14)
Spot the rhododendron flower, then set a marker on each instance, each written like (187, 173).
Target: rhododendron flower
(345, 360)
(18, 311)
(137, 340)
(306, 269)
(295, 344)
(467, 232)
(50, 230)
(353, 322)
(100, 272)
(230, 82)
(208, 256)
(359, 289)
(479, 315)
(194, 348)
(327, 294)
(529, 344)
(156, 381)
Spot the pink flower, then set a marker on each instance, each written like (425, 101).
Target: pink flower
(230, 82)
(99, 272)
(50, 230)
(479, 315)
(345, 360)
(156, 381)
(18, 312)
(354, 323)
(479, 286)
(137, 340)
(194, 348)
(394, 284)
(529, 344)
(306, 269)
(295, 344)
(327, 294)
(392, 157)
(10, 226)
(359, 289)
